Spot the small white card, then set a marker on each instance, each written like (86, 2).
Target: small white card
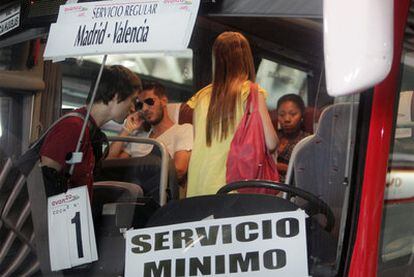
(71, 233)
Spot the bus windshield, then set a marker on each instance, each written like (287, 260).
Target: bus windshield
(317, 155)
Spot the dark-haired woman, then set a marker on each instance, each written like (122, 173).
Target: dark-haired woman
(290, 110)
(218, 109)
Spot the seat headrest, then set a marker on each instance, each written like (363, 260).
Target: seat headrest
(130, 190)
(174, 111)
(335, 118)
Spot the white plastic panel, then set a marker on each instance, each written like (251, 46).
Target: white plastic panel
(358, 44)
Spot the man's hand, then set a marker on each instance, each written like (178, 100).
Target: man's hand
(133, 122)
(54, 181)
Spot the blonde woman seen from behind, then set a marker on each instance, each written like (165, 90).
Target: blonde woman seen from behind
(218, 109)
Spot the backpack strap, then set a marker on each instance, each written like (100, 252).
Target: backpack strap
(40, 140)
(26, 161)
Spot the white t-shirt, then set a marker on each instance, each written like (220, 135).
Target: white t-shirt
(176, 138)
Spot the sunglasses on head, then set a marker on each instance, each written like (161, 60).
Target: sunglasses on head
(139, 105)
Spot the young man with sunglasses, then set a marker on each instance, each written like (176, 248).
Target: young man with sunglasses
(151, 107)
(117, 92)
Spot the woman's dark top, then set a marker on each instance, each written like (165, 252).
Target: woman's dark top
(283, 154)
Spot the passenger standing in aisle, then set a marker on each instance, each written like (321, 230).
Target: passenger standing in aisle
(218, 109)
(116, 93)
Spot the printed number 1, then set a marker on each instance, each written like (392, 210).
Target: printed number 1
(76, 220)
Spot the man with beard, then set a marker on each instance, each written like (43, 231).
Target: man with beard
(151, 107)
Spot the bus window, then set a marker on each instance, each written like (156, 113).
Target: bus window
(10, 135)
(175, 71)
(396, 252)
(278, 79)
(5, 58)
(14, 123)
(173, 67)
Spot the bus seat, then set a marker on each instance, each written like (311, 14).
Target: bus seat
(108, 193)
(173, 110)
(141, 171)
(122, 191)
(180, 113)
(319, 162)
(289, 173)
(115, 206)
(310, 117)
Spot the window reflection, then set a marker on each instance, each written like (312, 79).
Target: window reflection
(174, 70)
(278, 79)
(397, 237)
(174, 67)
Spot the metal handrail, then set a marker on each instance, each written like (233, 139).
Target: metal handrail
(164, 161)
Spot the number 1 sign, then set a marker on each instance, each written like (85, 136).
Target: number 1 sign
(71, 234)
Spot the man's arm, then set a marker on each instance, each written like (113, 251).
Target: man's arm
(181, 160)
(46, 161)
(116, 149)
(54, 181)
(133, 122)
(60, 141)
(124, 155)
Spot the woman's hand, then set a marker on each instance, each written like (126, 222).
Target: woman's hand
(282, 168)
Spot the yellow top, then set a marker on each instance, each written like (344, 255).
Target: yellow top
(207, 168)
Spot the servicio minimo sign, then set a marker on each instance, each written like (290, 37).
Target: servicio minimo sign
(258, 245)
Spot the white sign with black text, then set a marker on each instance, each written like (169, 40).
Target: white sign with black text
(9, 19)
(71, 233)
(113, 27)
(257, 245)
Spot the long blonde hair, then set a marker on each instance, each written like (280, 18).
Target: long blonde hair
(233, 65)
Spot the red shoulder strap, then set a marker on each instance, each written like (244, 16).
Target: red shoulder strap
(252, 100)
(42, 137)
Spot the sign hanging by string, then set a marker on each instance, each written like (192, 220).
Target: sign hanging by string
(271, 244)
(114, 27)
(71, 232)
